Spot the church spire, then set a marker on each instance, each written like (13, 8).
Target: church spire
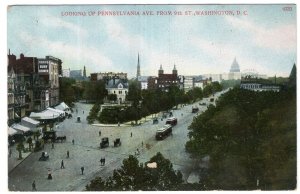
(174, 70)
(160, 71)
(84, 71)
(138, 72)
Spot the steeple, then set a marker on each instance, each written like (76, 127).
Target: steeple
(160, 71)
(138, 72)
(84, 71)
(174, 70)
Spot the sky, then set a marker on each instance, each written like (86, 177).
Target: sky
(261, 37)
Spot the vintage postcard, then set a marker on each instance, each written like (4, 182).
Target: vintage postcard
(151, 97)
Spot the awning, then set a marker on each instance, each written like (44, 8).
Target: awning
(44, 115)
(21, 128)
(62, 113)
(31, 121)
(64, 107)
(11, 131)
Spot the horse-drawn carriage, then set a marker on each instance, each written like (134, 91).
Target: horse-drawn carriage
(155, 120)
(117, 142)
(104, 142)
(44, 156)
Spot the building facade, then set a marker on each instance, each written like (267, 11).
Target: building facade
(48, 69)
(36, 83)
(119, 87)
(164, 81)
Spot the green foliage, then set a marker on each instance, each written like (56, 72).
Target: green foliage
(93, 114)
(66, 91)
(94, 91)
(230, 83)
(134, 176)
(211, 89)
(248, 136)
(112, 97)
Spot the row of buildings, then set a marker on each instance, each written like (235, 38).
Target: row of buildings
(33, 84)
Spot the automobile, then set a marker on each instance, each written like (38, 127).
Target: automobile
(44, 156)
(117, 142)
(155, 120)
(104, 142)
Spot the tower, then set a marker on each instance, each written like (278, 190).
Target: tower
(160, 71)
(84, 71)
(138, 72)
(174, 70)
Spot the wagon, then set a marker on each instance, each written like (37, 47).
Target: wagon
(44, 156)
(117, 142)
(104, 142)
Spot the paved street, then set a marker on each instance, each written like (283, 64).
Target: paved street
(86, 152)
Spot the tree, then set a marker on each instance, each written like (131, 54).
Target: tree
(66, 91)
(134, 176)
(112, 97)
(95, 91)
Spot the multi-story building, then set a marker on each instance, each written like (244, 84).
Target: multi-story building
(119, 87)
(36, 84)
(48, 70)
(164, 81)
(10, 95)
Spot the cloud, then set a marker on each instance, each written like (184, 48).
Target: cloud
(71, 55)
(280, 38)
(56, 22)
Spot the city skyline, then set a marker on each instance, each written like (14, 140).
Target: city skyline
(264, 38)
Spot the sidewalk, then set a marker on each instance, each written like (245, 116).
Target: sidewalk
(13, 160)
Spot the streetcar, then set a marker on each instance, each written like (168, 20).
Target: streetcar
(163, 132)
(172, 121)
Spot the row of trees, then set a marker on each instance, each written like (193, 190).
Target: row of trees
(145, 102)
(135, 176)
(250, 138)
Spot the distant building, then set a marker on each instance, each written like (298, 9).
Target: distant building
(213, 77)
(164, 81)
(118, 87)
(143, 80)
(258, 85)
(76, 74)
(66, 72)
(108, 76)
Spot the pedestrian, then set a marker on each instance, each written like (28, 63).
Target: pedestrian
(68, 154)
(131, 134)
(82, 169)
(62, 164)
(49, 174)
(52, 145)
(83, 112)
(33, 186)
(73, 141)
(99, 133)
(10, 152)
(142, 144)
(103, 161)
